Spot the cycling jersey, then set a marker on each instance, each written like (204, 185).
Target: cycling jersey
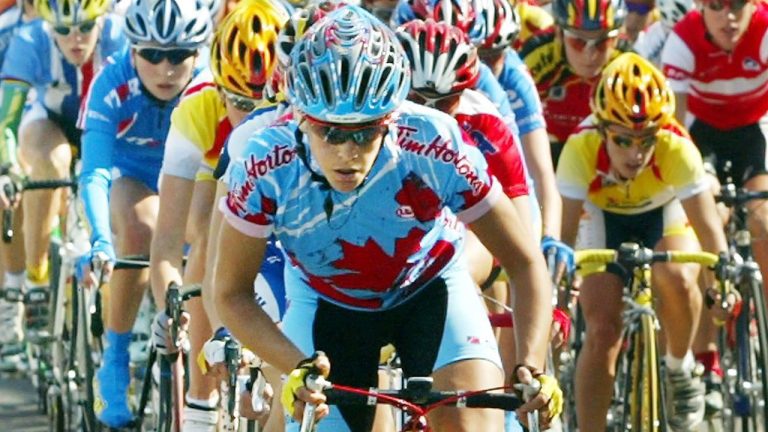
(10, 20)
(521, 93)
(674, 171)
(482, 122)
(199, 129)
(650, 42)
(564, 95)
(60, 86)
(124, 131)
(403, 218)
(717, 81)
(490, 87)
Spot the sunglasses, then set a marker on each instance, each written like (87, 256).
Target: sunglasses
(83, 28)
(626, 141)
(175, 56)
(579, 43)
(335, 135)
(241, 103)
(733, 5)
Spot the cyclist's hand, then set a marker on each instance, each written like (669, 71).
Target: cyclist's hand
(561, 327)
(255, 402)
(212, 358)
(95, 267)
(295, 393)
(8, 196)
(721, 311)
(161, 336)
(562, 253)
(548, 400)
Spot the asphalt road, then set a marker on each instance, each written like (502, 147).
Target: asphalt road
(18, 407)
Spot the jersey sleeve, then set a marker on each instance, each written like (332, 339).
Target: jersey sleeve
(522, 94)
(251, 202)
(26, 51)
(576, 168)
(489, 85)
(682, 166)
(678, 63)
(100, 111)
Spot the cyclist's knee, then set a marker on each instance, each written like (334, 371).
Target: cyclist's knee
(677, 280)
(603, 333)
(134, 235)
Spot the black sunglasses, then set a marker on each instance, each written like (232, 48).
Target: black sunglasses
(83, 28)
(175, 56)
(361, 137)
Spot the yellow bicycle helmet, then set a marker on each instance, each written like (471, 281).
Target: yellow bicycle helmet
(243, 50)
(634, 94)
(71, 12)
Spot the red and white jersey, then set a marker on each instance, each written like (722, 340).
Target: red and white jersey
(725, 89)
(484, 128)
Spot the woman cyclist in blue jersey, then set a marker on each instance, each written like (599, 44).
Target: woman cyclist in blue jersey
(358, 175)
(57, 57)
(125, 122)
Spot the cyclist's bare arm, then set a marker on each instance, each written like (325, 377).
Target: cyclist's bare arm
(703, 216)
(210, 261)
(539, 163)
(571, 214)
(168, 242)
(237, 264)
(499, 231)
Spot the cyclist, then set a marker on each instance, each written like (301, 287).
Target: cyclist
(125, 122)
(242, 59)
(639, 178)
(11, 254)
(725, 110)
(650, 42)
(566, 61)
(533, 19)
(339, 193)
(57, 57)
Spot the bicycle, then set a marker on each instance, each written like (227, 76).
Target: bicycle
(232, 387)
(169, 404)
(48, 356)
(638, 402)
(743, 342)
(417, 399)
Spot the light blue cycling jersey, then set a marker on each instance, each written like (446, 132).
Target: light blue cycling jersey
(124, 130)
(521, 93)
(10, 21)
(59, 84)
(372, 248)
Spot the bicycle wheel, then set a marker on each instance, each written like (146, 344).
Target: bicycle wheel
(567, 370)
(87, 362)
(747, 395)
(652, 408)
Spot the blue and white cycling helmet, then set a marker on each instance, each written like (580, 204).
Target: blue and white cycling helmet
(348, 68)
(179, 23)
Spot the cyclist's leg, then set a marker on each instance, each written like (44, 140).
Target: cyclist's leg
(133, 208)
(679, 306)
(601, 305)
(446, 336)
(11, 304)
(758, 222)
(46, 153)
(201, 396)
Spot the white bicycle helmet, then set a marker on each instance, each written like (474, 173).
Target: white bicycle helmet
(179, 23)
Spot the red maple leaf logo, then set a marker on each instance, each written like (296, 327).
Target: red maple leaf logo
(370, 266)
(424, 202)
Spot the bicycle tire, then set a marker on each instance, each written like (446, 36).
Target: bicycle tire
(750, 357)
(86, 363)
(165, 419)
(651, 419)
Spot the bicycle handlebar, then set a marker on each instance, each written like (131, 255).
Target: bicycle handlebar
(733, 197)
(642, 256)
(504, 401)
(12, 189)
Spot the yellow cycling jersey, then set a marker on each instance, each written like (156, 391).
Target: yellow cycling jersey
(675, 170)
(199, 129)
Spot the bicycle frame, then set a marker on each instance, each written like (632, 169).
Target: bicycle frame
(643, 408)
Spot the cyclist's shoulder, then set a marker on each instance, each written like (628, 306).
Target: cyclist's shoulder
(264, 117)
(113, 37)
(425, 124)
(583, 143)
(542, 53)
